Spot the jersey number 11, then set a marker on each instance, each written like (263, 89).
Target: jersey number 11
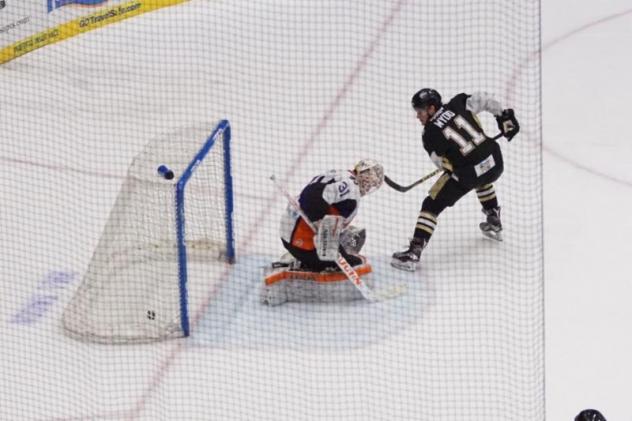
(466, 145)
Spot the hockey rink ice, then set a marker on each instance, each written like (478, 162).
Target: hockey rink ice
(73, 113)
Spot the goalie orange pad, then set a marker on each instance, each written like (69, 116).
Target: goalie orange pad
(324, 277)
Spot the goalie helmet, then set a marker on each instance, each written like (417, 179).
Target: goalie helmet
(426, 97)
(369, 175)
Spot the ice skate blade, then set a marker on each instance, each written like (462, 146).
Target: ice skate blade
(492, 235)
(407, 266)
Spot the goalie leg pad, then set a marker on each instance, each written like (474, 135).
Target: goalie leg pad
(274, 294)
(328, 286)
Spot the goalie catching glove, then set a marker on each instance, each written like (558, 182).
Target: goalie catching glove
(508, 124)
(352, 239)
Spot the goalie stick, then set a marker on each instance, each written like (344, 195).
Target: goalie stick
(353, 277)
(404, 189)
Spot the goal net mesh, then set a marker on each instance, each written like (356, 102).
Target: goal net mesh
(133, 289)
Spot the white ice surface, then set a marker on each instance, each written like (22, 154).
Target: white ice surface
(587, 208)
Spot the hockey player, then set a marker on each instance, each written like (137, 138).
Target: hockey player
(330, 201)
(456, 143)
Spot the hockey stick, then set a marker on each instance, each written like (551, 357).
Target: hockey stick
(343, 264)
(404, 189)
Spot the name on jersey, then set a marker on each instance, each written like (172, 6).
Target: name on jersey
(444, 118)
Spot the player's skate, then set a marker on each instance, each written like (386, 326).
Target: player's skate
(492, 227)
(407, 260)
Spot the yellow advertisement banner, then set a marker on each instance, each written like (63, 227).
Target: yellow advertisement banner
(83, 24)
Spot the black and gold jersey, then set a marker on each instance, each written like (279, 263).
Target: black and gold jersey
(454, 136)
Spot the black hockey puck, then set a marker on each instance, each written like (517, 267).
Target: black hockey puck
(165, 172)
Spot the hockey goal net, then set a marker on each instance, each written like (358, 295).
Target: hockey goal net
(135, 288)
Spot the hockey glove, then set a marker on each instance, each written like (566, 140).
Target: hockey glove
(327, 239)
(508, 124)
(352, 239)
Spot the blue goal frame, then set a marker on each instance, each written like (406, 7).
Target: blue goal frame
(222, 128)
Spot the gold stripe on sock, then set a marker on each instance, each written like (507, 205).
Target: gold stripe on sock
(487, 198)
(425, 228)
(429, 216)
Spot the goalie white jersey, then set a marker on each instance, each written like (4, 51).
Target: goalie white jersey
(335, 192)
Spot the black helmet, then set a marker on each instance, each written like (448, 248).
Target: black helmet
(590, 415)
(425, 97)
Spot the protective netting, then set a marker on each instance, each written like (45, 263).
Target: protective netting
(307, 87)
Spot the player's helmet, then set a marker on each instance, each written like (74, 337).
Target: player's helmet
(426, 97)
(590, 415)
(369, 174)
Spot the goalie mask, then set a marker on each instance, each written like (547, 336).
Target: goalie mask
(369, 174)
